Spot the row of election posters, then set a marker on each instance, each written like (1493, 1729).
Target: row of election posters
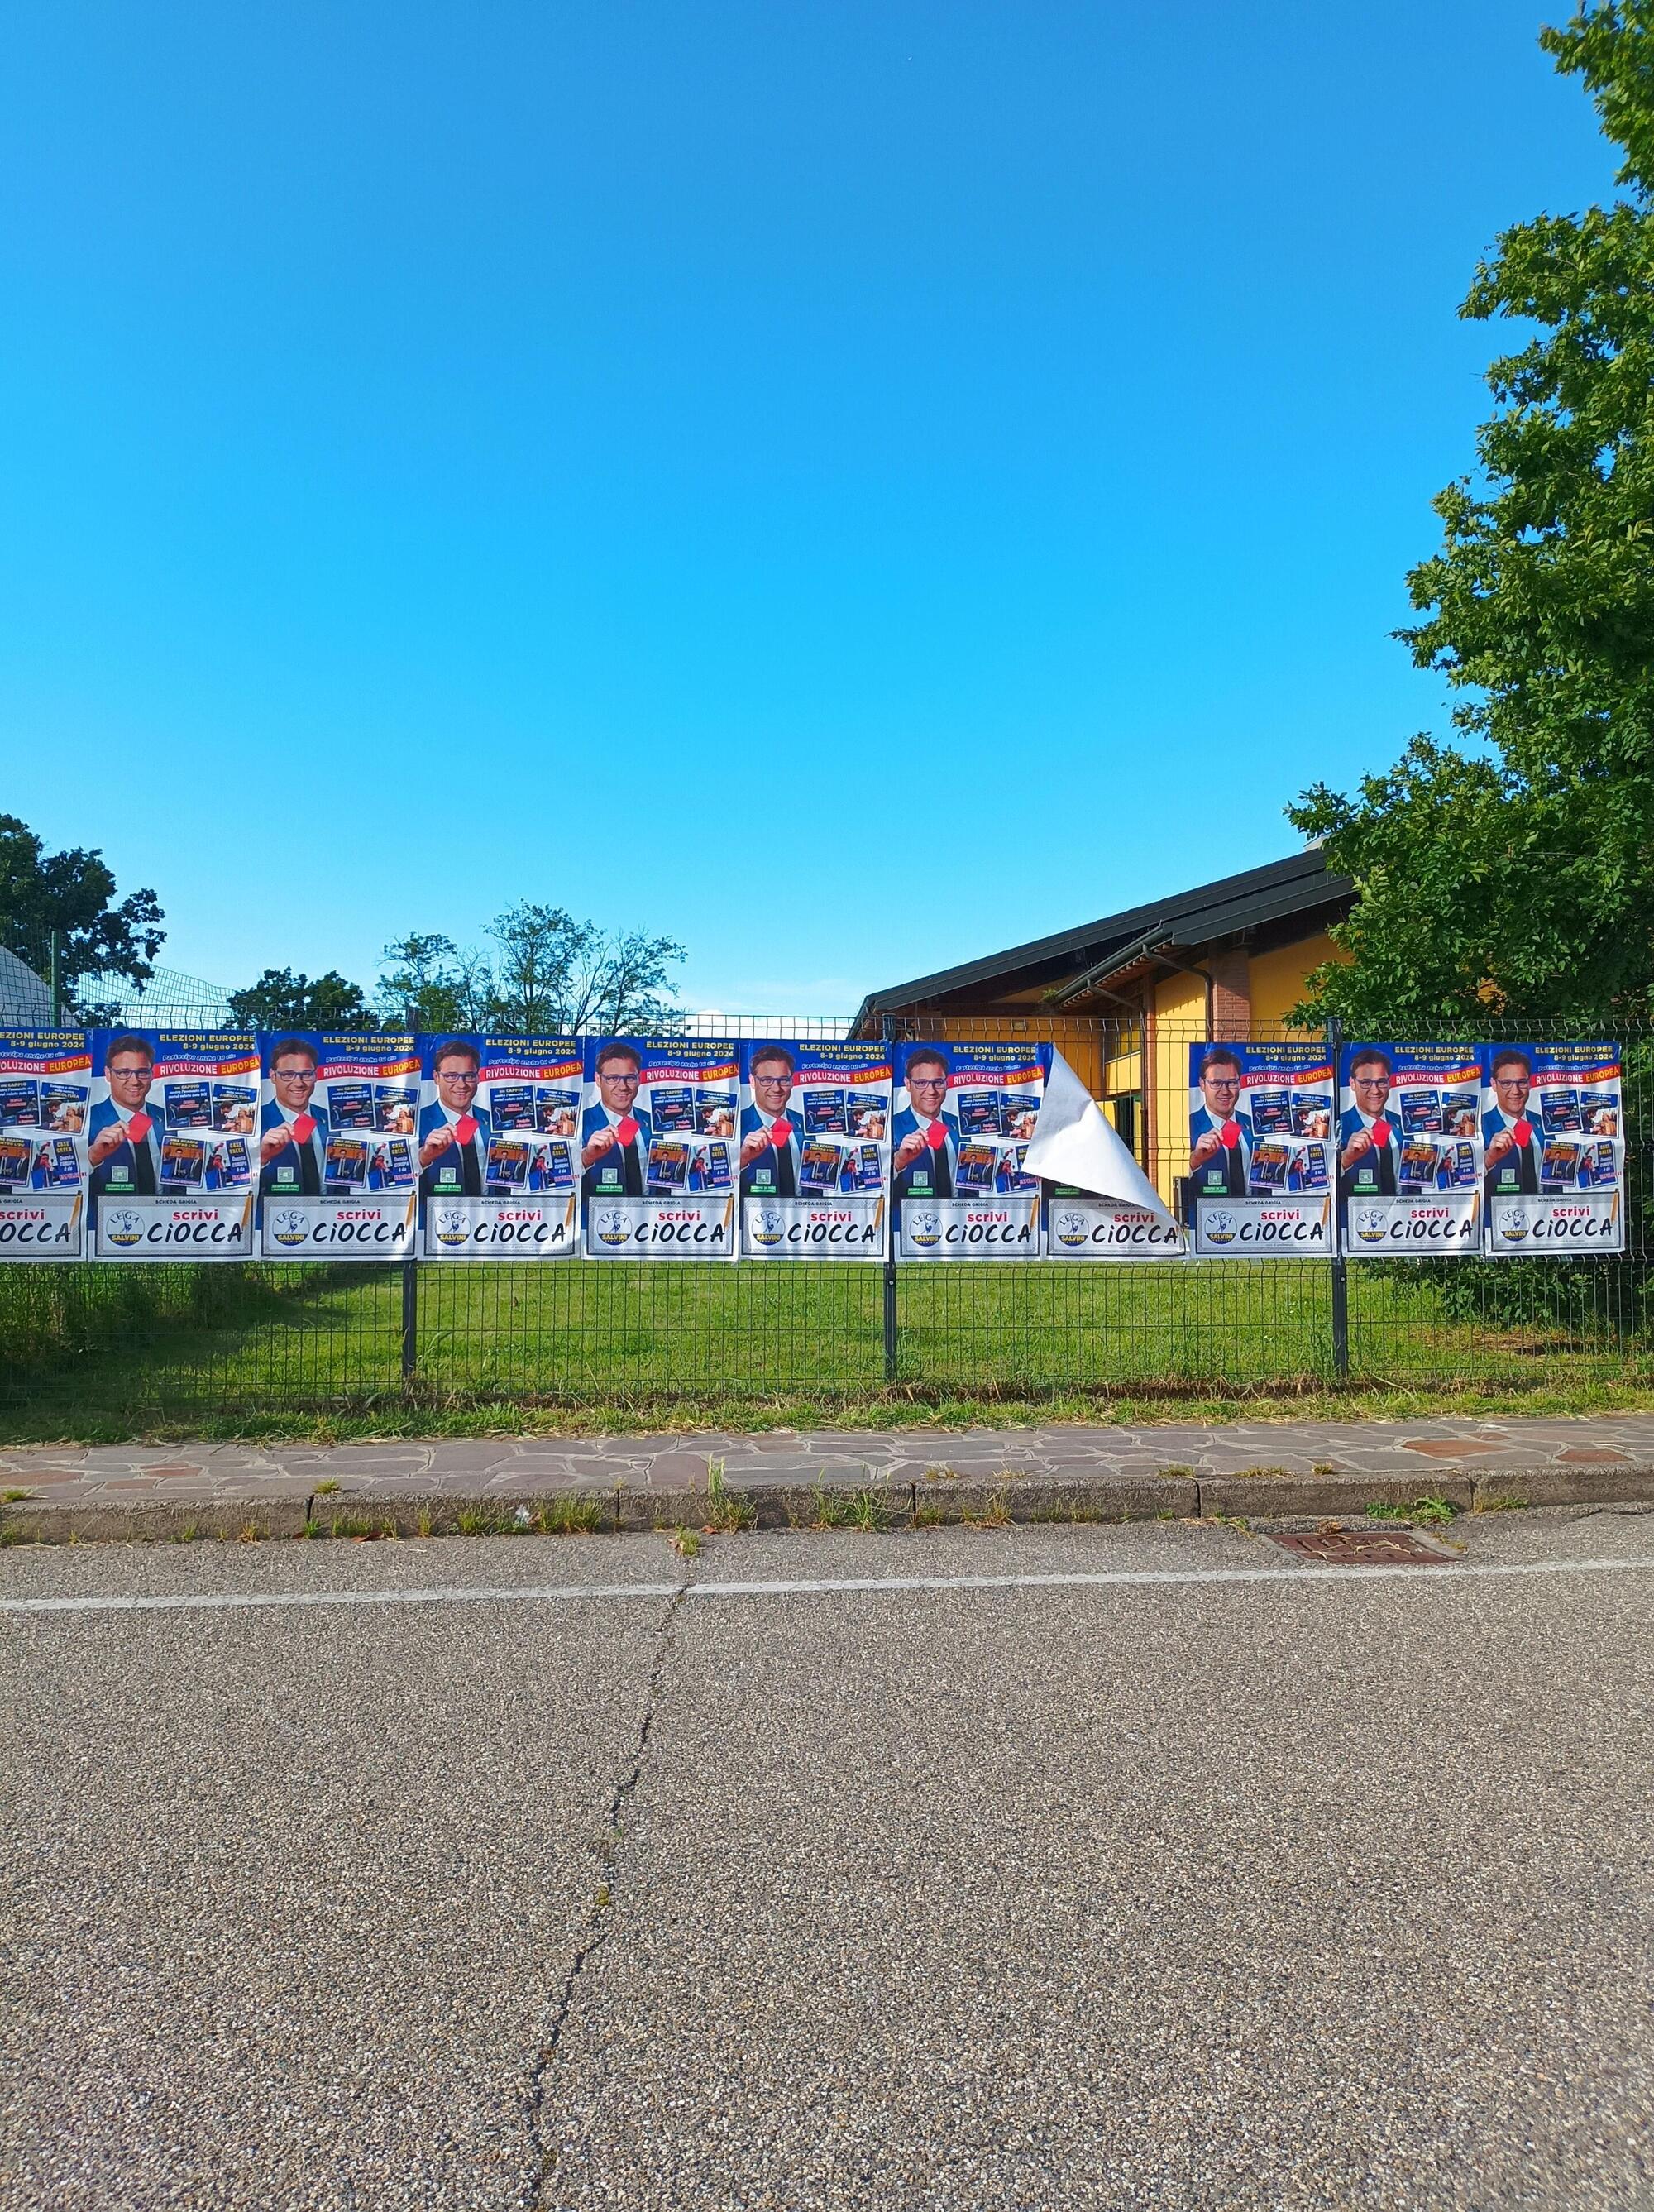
(1414, 1151)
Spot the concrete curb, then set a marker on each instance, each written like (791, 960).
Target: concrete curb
(1257, 1494)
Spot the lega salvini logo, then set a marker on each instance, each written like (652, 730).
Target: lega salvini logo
(613, 1226)
(123, 1227)
(1222, 1227)
(767, 1226)
(923, 1228)
(289, 1226)
(1071, 1229)
(1370, 1224)
(1514, 1224)
(452, 1226)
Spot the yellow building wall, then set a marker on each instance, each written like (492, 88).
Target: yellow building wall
(1278, 978)
(1179, 1021)
(1079, 1042)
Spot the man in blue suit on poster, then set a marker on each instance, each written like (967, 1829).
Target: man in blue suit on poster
(1217, 1170)
(925, 1141)
(293, 1147)
(1367, 1137)
(770, 1164)
(123, 1136)
(453, 1130)
(614, 1131)
(1514, 1140)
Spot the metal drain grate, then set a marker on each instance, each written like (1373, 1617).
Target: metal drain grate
(1365, 1548)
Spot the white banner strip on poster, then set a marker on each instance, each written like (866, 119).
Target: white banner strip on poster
(1103, 1205)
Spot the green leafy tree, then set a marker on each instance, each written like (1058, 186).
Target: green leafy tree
(429, 983)
(1516, 876)
(72, 894)
(547, 972)
(281, 1001)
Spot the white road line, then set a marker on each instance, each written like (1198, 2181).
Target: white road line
(824, 1586)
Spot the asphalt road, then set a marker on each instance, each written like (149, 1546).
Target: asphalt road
(1276, 1890)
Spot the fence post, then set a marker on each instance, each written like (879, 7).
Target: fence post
(890, 1344)
(409, 1317)
(1340, 1276)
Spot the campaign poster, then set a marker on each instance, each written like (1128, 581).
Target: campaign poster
(1260, 1150)
(1080, 1225)
(499, 1143)
(1409, 1152)
(815, 1150)
(658, 1148)
(964, 1114)
(45, 1091)
(1553, 1132)
(337, 1146)
(171, 1144)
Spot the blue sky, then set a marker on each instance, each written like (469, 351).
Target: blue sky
(851, 486)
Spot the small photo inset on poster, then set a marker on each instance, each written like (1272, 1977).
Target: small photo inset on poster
(713, 1168)
(1017, 1115)
(1460, 1161)
(512, 1105)
(393, 1163)
(1599, 1114)
(867, 1168)
(507, 1164)
(1268, 1173)
(1311, 1114)
(973, 1169)
(62, 1166)
(350, 1105)
(1561, 1110)
(1270, 1107)
(1559, 1168)
(864, 1113)
(346, 1165)
(396, 1108)
(818, 1169)
(16, 1159)
(1309, 1169)
(673, 1106)
(235, 1107)
(554, 1167)
(63, 1107)
(1420, 1112)
(824, 1113)
(1415, 1170)
(233, 1166)
(1010, 1174)
(978, 1113)
(715, 1110)
(1598, 1169)
(556, 1112)
(1458, 1113)
(20, 1102)
(189, 1106)
(184, 1162)
(667, 1169)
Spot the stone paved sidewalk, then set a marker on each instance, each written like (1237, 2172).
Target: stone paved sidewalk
(1254, 1467)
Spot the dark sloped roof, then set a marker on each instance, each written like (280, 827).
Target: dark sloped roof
(1297, 884)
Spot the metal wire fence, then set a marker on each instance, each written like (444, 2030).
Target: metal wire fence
(100, 1349)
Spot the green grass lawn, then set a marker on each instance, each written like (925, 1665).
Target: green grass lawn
(108, 1353)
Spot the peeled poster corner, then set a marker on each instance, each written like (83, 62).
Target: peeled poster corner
(1115, 1212)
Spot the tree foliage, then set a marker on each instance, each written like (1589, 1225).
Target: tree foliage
(546, 972)
(281, 1001)
(73, 894)
(1516, 871)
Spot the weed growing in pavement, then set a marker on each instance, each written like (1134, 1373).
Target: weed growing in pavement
(685, 1542)
(13, 1497)
(482, 1521)
(366, 1528)
(1166, 1513)
(250, 1533)
(569, 1516)
(727, 1510)
(849, 1509)
(1323, 1467)
(995, 1512)
(1500, 1504)
(1176, 1468)
(1266, 1474)
(928, 1516)
(327, 1486)
(424, 1521)
(1423, 1512)
(189, 1534)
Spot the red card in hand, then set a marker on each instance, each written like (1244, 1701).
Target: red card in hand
(1230, 1135)
(1522, 1130)
(139, 1126)
(1381, 1131)
(304, 1127)
(781, 1131)
(935, 1136)
(626, 1129)
(465, 1127)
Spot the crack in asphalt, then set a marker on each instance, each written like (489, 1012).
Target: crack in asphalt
(599, 1913)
